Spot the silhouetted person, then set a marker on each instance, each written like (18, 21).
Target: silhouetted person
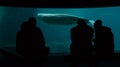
(21, 42)
(37, 38)
(81, 37)
(32, 40)
(104, 41)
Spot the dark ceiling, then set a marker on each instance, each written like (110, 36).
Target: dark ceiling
(60, 3)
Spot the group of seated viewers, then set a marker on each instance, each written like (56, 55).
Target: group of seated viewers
(30, 42)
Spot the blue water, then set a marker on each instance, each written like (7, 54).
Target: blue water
(57, 37)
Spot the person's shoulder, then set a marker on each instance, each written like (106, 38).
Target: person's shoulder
(73, 28)
(19, 33)
(38, 29)
(106, 28)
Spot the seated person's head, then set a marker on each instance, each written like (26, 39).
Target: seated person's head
(32, 21)
(97, 24)
(81, 22)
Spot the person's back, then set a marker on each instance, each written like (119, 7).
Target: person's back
(37, 42)
(104, 44)
(81, 37)
(21, 39)
(32, 41)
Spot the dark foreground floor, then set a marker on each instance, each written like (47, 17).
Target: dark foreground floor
(58, 61)
(54, 60)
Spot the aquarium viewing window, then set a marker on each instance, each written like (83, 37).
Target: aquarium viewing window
(56, 24)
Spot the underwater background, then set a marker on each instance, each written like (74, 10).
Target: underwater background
(57, 36)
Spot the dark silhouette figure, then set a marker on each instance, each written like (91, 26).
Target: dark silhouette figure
(104, 41)
(81, 37)
(20, 40)
(30, 41)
